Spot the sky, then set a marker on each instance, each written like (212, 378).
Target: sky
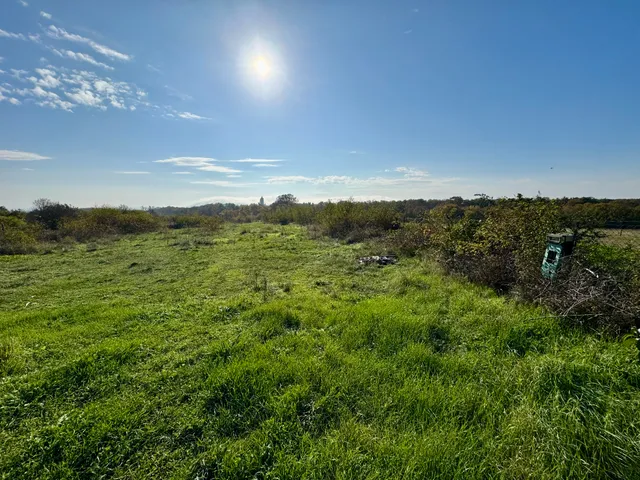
(181, 103)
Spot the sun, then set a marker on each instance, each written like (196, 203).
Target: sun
(261, 67)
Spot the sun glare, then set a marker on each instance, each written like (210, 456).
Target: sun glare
(261, 67)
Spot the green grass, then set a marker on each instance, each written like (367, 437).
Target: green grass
(259, 353)
(621, 237)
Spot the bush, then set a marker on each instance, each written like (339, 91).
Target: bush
(502, 246)
(105, 221)
(211, 224)
(356, 221)
(17, 236)
(50, 214)
(601, 290)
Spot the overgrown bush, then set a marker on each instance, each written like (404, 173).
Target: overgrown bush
(210, 224)
(356, 221)
(502, 246)
(17, 236)
(601, 289)
(105, 221)
(50, 214)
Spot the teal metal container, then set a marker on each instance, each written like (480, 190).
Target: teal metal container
(559, 246)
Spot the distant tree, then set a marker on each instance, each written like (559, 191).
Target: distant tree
(261, 202)
(285, 200)
(50, 214)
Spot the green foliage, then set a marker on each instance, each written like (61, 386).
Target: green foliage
(17, 236)
(210, 224)
(105, 221)
(142, 360)
(50, 214)
(356, 221)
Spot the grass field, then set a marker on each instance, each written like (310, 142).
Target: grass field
(621, 237)
(260, 353)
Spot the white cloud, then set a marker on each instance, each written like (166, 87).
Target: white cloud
(178, 94)
(34, 37)
(17, 73)
(14, 101)
(256, 160)
(263, 165)
(182, 173)
(16, 36)
(81, 57)
(290, 179)
(356, 152)
(62, 34)
(153, 69)
(410, 172)
(188, 161)
(23, 3)
(28, 169)
(218, 168)
(191, 116)
(48, 79)
(45, 15)
(131, 173)
(219, 183)
(85, 97)
(234, 176)
(411, 176)
(18, 156)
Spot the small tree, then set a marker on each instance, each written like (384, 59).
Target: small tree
(286, 200)
(50, 214)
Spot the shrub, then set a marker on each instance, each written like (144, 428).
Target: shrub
(356, 221)
(17, 236)
(210, 224)
(50, 214)
(104, 221)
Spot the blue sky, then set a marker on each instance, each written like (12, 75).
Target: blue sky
(157, 103)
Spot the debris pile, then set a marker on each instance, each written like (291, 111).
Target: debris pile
(379, 259)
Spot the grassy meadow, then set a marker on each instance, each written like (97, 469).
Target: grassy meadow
(259, 352)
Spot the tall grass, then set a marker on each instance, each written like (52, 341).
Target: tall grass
(178, 367)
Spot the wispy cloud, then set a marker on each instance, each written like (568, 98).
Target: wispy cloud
(45, 15)
(264, 165)
(191, 116)
(178, 94)
(28, 169)
(219, 183)
(131, 173)
(153, 69)
(256, 160)
(23, 3)
(218, 168)
(14, 101)
(410, 176)
(410, 172)
(234, 176)
(81, 57)
(182, 173)
(407, 32)
(62, 34)
(17, 36)
(188, 161)
(356, 152)
(18, 156)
